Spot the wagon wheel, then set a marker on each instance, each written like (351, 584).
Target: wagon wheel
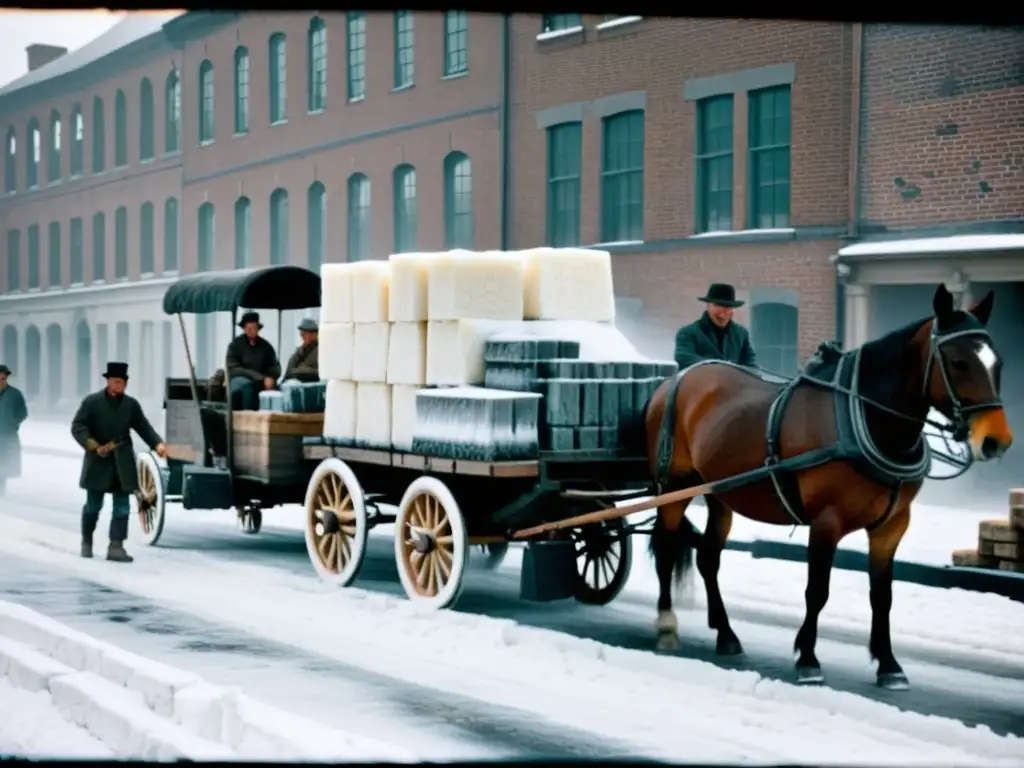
(604, 558)
(336, 524)
(151, 498)
(431, 543)
(495, 553)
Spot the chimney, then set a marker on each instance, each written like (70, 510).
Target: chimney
(40, 55)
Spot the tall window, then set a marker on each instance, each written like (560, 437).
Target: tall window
(99, 247)
(774, 334)
(714, 164)
(557, 22)
(53, 236)
(405, 213)
(120, 130)
(122, 340)
(458, 201)
(316, 212)
(622, 178)
(243, 233)
(204, 249)
(564, 157)
(99, 136)
(317, 64)
(358, 217)
(206, 125)
(13, 260)
(77, 141)
(356, 55)
(76, 272)
(279, 226)
(121, 243)
(172, 112)
(147, 225)
(405, 51)
(32, 158)
(33, 256)
(10, 161)
(147, 129)
(53, 162)
(241, 89)
(456, 56)
(278, 78)
(171, 225)
(769, 158)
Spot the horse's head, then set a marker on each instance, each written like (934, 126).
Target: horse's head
(961, 375)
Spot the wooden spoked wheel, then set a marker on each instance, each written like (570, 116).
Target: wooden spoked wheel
(336, 524)
(431, 543)
(604, 558)
(150, 499)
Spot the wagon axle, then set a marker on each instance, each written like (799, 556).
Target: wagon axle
(422, 542)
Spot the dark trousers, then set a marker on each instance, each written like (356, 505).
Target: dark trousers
(247, 390)
(118, 520)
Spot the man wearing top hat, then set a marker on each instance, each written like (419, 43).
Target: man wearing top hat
(102, 426)
(715, 335)
(251, 363)
(304, 364)
(12, 413)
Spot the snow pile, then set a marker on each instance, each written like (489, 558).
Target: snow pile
(143, 709)
(31, 726)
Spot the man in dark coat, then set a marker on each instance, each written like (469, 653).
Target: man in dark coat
(12, 413)
(102, 427)
(715, 336)
(252, 363)
(304, 364)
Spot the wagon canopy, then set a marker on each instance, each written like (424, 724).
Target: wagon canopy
(277, 287)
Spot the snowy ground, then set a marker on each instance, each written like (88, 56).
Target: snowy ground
(31, 726)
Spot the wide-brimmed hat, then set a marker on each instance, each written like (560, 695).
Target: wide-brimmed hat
(250, 317)
(722, 294)
(5, 370)
(309, 325)
(116, 371)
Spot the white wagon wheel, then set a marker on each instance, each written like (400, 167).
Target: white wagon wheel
(431, 543)
(151, 498)
(336, 524)
(604, 558)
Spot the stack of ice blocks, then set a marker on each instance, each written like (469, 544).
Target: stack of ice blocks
(304, 397)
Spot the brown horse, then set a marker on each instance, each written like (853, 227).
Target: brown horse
(839, 449)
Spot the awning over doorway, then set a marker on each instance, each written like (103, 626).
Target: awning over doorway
(925, 247)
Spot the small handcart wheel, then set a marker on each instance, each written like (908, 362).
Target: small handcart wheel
(604, 558)
(250, 520)
(151, 498)
(336, 523)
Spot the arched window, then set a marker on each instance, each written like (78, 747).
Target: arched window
(358, 217)
(774, 331)
(146, 128)
(171, 225)
(77, 141)
(32, 158)
(316, 212)
(356, 23)
(10, 160)
(458, 201)
(317, 64)
(241, 89)
(279, 226)
(243, 233)
(121, 243)
(204, 249)
(278, 78)
(147, 236)
(405, 213)
(99, 136)
(99, 247)
(206, 114)
(172, 112)
(120, 130)
(53, 162)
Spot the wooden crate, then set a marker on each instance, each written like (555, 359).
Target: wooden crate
(268, 444)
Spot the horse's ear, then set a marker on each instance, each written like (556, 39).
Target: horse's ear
(983, 309)
(942, 302)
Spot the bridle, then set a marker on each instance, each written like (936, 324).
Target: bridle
(959, 425)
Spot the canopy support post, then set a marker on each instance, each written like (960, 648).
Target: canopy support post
(231, 405)
(192, 379)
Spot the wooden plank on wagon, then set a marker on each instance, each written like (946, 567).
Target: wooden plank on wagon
(415, 461)
(443, 466)
(516, 469)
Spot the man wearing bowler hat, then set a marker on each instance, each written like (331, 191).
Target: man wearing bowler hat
(304, 364)
(715, 335)
(252, 363)
(12, 413)
(102, 426)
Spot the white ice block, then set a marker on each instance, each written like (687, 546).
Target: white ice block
(370, 352)
(568, 284)
(373, 415)
(599, 342)
(455, 349)
(336, 350)
(485, 286)
(370, 288)
(335, 293)
(403, 416)
(407, 354)
(340, 411)
(407, 295)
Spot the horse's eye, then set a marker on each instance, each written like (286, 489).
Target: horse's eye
(959, 365)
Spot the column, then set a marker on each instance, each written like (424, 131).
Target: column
(856, 315)
(960, 286)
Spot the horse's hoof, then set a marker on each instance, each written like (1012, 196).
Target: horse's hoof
(730, 647)
(668, 642)
(809, 676)
(893, 681)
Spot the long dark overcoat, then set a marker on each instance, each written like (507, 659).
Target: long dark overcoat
(13, 412)
(700, 341)
(99, 420)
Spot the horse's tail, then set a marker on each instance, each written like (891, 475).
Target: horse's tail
(633, 433)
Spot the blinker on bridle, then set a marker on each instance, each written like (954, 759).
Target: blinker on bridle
(960, 426)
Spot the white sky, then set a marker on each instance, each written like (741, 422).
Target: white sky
(70, 29)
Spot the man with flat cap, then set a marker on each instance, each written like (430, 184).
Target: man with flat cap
(102, 426)
(12, 413)
(252, 364)
(304, 364)
(715, 335)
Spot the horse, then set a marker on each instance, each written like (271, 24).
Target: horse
(838, 449)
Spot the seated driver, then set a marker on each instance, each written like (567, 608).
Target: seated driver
(252, 364)
(304, 364)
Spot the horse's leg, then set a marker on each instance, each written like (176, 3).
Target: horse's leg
(709, 559)
(672, 544)
(882, 544)
(826, 531)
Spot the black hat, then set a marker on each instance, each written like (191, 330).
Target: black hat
(722, 294)
(250, 317)
(5, 369)
(116, 371)
(309, 324)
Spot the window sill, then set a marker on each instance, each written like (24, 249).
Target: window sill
(123, 167)
(123, 279)
(455, 75)
(34, 290)
(317, 111)
(240, 134)
(781, 232)
(618, 244)
(101, 281)
(76, 285)
(406, 87)
(206, 143)
(100, 172)
(33, 187)
(170, 273)
(356, 99)
(75, 177)
(561, 38)
(613, 27)
(54, 183)
(172, 153)
(146, 160)
(282, 121)
(147, 275)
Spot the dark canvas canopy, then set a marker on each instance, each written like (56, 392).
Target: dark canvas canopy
(277, 287)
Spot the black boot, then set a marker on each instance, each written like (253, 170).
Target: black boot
(88, 527)
(118, 533)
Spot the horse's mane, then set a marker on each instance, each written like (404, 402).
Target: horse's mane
(882, 362)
